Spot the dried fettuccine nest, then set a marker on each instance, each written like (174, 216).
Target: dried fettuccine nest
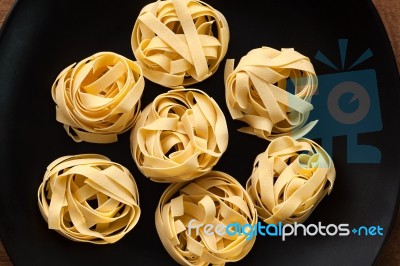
(257, 92)
(179, 136)
(192, 220)
(89, 198)
(289, 179)
(99, 97)
(179, 42)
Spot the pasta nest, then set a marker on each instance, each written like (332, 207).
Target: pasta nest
(179, 42)
(186, 212)
(88, 198)
(99, 97)
(179, 136)
(258, 92)
(289, 179)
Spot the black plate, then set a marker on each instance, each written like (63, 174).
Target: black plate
(44, 36)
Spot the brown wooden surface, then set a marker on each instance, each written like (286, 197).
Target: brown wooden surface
(390, 13)
(5, 6)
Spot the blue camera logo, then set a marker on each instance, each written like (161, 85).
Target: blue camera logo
(347, 104)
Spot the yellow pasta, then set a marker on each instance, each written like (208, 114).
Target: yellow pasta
(210, 202)
(289, 179)
(88, 198)
(257, 94)
(180, 136)
(174, 43)
(99, 97)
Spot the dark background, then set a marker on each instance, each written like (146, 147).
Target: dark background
(43, 37)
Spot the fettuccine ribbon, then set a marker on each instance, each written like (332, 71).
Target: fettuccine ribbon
(213, 199)
(99, 97)
(88, 198)
(180, 136)
(174, 42)
(257, 93)
(289, 179)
